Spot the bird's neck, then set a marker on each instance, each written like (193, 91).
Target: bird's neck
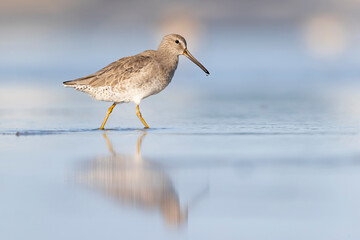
(168, 60)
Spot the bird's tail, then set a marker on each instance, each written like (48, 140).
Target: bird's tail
(80, 81)
(71, 83)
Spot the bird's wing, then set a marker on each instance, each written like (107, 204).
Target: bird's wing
(115, 72)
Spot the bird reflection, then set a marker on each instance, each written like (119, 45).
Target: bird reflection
(134, 181)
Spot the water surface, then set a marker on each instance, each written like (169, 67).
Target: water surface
(211, 167)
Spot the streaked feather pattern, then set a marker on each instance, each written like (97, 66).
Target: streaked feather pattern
(115, 72)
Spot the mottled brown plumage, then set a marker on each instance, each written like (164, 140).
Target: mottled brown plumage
(114, 73)
(131, 79)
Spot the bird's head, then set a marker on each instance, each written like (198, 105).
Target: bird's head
(176, 44)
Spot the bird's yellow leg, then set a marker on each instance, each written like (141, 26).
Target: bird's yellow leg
(107, 116)
(138, 114)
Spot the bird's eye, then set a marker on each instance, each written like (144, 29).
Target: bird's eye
(177, 41)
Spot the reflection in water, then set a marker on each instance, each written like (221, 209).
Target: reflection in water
(131, 180)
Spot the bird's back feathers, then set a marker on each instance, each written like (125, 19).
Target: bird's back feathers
(115, 72)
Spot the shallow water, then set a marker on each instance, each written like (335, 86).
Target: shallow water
(211, 167)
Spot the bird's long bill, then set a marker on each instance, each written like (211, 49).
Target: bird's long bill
(191, 57)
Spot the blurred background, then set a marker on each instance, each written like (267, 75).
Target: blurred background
(252, 48)
(248, 45)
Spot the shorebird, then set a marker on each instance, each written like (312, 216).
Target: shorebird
(131, 79)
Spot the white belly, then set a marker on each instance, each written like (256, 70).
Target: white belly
(120, 94)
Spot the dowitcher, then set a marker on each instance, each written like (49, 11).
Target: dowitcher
(131, 79)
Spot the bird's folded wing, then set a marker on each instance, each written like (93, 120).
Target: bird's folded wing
(114, 73)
